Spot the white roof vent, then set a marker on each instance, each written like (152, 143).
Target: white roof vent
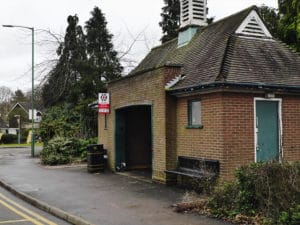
(193, 12)
(253, 27)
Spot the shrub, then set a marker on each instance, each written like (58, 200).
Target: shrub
(271, 190)
(223, 202)
(24, 134)
(62, 121)
(61, 150)
(292, 216)
(83, 146)
(269, 187)
(9, 139)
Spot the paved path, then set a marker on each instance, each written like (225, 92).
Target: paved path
(107, 199)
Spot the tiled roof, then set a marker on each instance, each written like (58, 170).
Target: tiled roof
(26, 105)
(216, 54)
(263, 62)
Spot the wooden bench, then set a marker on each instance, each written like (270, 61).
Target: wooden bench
(199, 168)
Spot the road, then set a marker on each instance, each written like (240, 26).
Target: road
(103, 198)
(16, 212)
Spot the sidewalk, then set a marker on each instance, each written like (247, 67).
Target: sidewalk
(107, 199)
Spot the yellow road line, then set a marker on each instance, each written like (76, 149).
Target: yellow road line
(20, 213)
(37, 216)
(12, 221)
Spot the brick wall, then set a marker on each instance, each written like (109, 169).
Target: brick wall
(291, 128)
(206, 142)
(145, 89)
(228, 126)
(228, 130)
(238, 130)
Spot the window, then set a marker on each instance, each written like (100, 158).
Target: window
(194, 113)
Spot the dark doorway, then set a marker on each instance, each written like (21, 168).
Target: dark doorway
(133, 138)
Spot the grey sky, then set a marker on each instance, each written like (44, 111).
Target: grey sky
(124, 17)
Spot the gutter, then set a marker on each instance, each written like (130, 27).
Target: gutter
(288, 88)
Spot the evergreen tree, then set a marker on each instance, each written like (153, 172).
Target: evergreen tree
(101, 67)
(289, 24)
(62, 83)
(86, 63)
(102, 58)
(271, 19)
(284, 24)
(170, 20)
(19, 96)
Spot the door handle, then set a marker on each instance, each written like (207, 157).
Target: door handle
(258, 148)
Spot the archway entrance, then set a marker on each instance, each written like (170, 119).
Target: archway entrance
(133, 138)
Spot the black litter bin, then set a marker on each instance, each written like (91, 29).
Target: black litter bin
(96, 158)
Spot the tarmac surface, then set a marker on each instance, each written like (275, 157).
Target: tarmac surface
(17, 212)
(101, 199)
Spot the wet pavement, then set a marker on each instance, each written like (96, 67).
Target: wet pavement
(107, 199)
(15, 211)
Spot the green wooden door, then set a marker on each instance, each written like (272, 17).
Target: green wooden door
(120, 130)
(267, 131)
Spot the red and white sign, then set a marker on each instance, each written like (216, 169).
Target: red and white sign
(103, 103)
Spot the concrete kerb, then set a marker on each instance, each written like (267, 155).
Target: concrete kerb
(45, 207)
(13, 147)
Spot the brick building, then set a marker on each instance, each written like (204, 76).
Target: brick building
(226, 91)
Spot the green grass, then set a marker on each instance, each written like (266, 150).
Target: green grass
(20, 145)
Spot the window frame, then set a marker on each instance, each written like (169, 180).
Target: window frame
(190, 115)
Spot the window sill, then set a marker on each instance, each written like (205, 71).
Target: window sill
(194, 127)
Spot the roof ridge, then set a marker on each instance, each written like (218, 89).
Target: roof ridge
(229, 42)
(226, 59)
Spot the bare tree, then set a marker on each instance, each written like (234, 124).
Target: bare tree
(6, 95)
(131, 49)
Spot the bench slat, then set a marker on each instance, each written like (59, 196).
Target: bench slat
(196, 167)
(186, 174)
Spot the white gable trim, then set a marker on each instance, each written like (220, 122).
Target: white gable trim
(17, 104)
(174, 81)
(253, 26)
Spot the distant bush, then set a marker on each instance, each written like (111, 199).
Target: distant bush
(24, 134)
(9, 139)
(61, 150)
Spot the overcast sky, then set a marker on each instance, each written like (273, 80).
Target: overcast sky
(126, 18)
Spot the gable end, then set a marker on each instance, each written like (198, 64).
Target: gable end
(254, 27)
